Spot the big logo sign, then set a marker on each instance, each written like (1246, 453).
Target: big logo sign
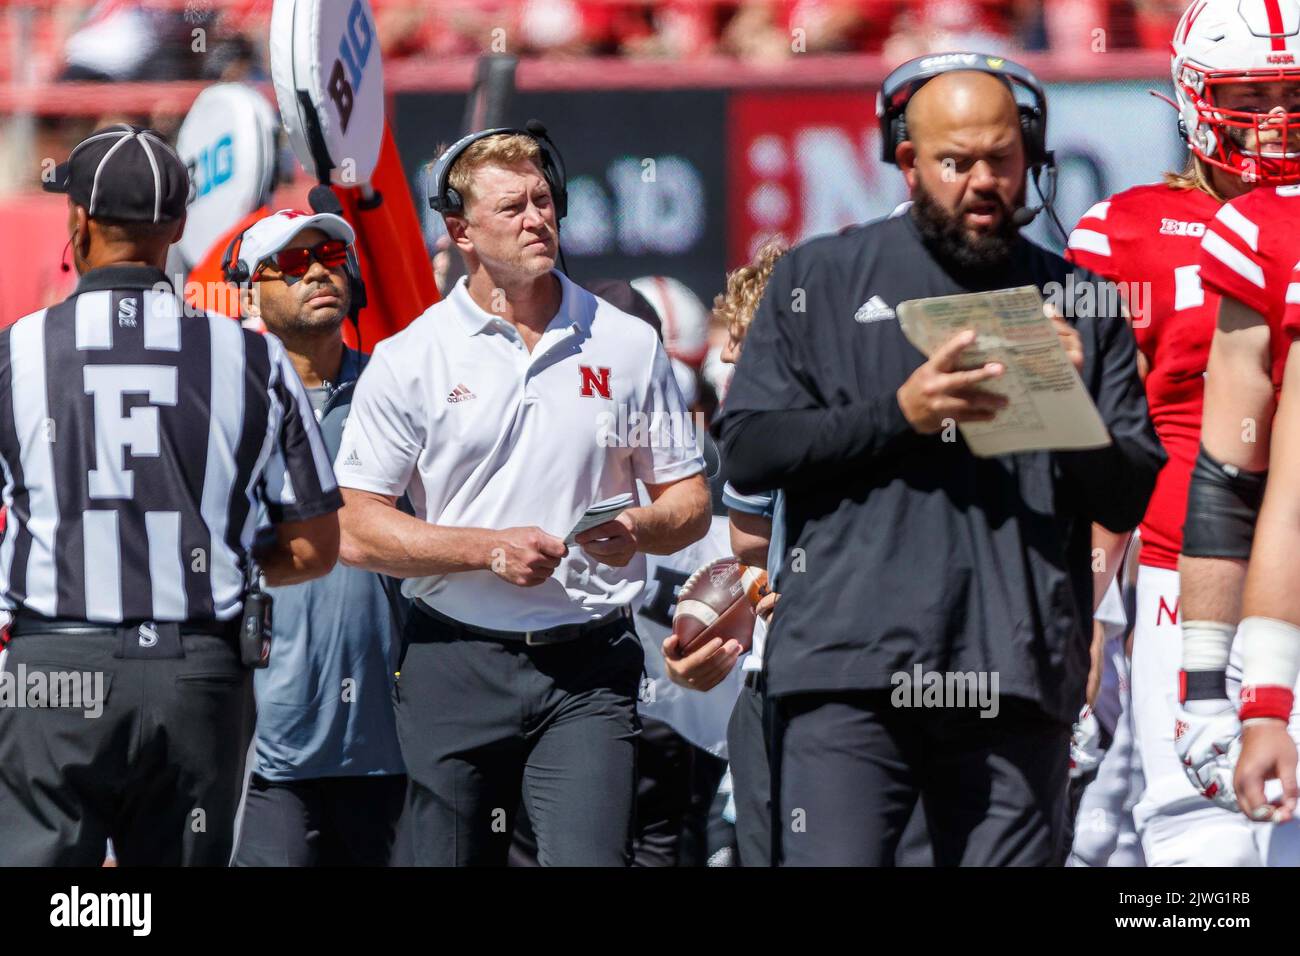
(354, 52)
(213, 166)
(329, 80)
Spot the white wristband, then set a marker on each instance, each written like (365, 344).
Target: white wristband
(1270, 653)
(1207, 645)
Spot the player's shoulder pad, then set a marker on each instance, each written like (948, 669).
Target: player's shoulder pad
(1147, 198)
(1260, 224)
(1262, 205)
(1138, 211)
(1271, 210)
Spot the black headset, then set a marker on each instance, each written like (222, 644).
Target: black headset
(898, 88)
(901, 85)
(235, 271)
(446, 200)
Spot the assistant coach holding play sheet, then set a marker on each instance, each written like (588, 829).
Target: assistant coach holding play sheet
(914, 551)
(138, 445)
(521, 666)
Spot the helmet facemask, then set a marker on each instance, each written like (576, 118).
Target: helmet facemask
(1259, 147)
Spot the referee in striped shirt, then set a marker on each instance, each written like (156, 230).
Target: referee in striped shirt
(137, 445)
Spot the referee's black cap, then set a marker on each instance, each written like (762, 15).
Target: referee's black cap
(124, 173)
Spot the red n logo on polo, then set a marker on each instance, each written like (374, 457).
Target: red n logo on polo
(594, 381)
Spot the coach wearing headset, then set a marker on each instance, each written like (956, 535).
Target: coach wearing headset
(521, 666)
(327, 783)
(920, 556)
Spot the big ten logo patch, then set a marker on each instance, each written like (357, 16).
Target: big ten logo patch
(214, 165)
(595, 381)
(354, 52)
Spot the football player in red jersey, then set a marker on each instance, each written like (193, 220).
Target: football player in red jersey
(1245, 260)
(1237, 77)
(1270, 637)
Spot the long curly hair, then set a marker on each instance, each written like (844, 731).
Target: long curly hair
(735, 308)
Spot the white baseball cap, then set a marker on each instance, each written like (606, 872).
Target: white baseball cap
(268, 236)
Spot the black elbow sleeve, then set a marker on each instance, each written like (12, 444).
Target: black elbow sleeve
(1222, 505)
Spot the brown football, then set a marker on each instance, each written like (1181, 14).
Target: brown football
(718, 600)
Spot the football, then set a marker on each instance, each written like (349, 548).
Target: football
(718, 600)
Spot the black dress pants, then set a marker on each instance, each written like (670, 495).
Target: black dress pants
(324, 821)
(146, 751)
(483, 722)
(851, 768)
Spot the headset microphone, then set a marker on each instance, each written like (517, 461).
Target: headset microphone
(1025, 215)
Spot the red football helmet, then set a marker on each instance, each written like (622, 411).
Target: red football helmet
(1223, 51)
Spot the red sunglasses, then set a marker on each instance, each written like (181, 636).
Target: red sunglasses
(331, 253)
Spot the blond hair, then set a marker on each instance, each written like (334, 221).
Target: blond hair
(735, 308)
(504, 149)
(1193, 176)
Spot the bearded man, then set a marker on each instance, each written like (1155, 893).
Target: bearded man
(907, 554)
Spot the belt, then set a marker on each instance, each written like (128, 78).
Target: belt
(560, 634)
(25, 623)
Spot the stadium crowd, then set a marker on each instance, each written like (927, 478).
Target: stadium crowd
(135, 39)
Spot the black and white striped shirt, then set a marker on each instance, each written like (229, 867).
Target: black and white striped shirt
(137, 444)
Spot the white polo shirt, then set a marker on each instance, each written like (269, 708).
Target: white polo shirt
(456, 413)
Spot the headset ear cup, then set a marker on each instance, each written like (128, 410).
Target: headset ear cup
(357, 286)
(231, 268)
(559, 189)
(1031, 131)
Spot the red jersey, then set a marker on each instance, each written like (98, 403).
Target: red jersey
(1248, 254)
(1148, 241)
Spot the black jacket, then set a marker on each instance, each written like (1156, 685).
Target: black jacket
(914, 551)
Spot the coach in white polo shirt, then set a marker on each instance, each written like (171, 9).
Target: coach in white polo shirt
(497, 413)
